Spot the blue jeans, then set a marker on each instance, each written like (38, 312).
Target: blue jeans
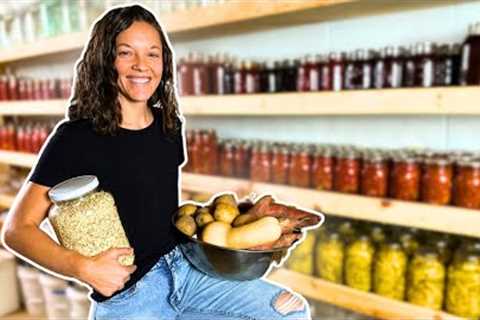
(174, 290)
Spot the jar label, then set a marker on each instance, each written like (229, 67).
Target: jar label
(271, 82)
(366, 82)
(396, 80)
(220, 75)
(428, 73)
(337, 78)
(249, 83)
(314, 81)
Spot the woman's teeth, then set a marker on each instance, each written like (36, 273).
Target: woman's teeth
(139, 80)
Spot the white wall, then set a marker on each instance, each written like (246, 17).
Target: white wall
(441, 23)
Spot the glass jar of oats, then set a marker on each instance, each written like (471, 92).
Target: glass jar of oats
(85, 219)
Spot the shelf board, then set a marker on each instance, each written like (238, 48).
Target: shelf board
(362, 302)
(6, 201)
(232, 17)
(19, 159)
(409, 214)
(407, 101)
(54, 107)
(21, 315)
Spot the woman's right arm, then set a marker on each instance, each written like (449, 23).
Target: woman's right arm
(23, 235)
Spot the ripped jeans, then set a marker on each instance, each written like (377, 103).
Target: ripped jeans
(174, 290)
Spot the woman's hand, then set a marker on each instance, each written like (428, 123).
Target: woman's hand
(104, 273)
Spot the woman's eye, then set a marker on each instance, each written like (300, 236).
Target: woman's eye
(154, 55)
(123, 53)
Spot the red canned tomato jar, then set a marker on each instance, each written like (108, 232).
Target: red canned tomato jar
(300, 166)
(374, 175)
(437, 180)
(405, 177)
(322, 169)
(467, 184)
(347, 172)
(280, 164)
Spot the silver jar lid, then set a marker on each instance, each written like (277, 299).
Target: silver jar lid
(73, 188)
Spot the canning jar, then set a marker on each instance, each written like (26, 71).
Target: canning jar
(347, 230)
(359, 256)
(347, 172)
(379, 73)
(395, 71)
(405, 178)
(390, 268)
(463, 284)
(299, 169)
(322, 169)
(301, 258)
(467, 184)
(349, 74)
(426, 279)
(374, 175)
(260, 164)
(424, 64)
(409, 66)
(336, 71)
(443, 245)
(242, 159)
(470, 56)
(280, 164)
(377, 234)
(85, 219)
(409, 240)
(329, 253)
(312, 73)
(437, 180)
(325, 75)
(227, 164)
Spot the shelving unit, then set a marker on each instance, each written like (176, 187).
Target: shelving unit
(21, 315)
(19, 159)
(366, 303)
(432, 101)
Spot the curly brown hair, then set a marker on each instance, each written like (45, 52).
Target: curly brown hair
(95, 91)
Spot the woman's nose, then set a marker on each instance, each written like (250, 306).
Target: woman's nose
(139, 64)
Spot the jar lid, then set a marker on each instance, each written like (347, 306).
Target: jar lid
(469, 162)
(73, 188)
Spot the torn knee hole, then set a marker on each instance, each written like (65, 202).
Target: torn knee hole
(287, 302)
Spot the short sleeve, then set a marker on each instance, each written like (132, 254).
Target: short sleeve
(52, 164)
(181, 143)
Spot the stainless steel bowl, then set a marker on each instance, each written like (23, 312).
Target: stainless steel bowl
(231, 264)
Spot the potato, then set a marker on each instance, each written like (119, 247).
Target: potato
(226, 212)
(187, 225)
(216, 233)
(242, 219)
(226, 198)
(203, 218)
(187, 210)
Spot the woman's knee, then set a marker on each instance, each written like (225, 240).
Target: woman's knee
(291, 306)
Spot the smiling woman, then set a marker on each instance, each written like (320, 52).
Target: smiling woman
(125, 128)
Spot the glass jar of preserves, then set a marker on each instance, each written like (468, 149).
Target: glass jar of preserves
(463, 284)
(437, 180)
(300, 167)
(336, 71)
(325, 75)
(390, 269)
(409, 67)
(380, 70)
(375, 173)
(260, 163)
(301, 258)
(85, 219)
(280, 164)
(409, 240)
(405, 178)
(470, 56)
(227, 164)
(329, 254)
(358, 263)
(426, 279)
(467, 184)
(349, 74)
(347, 172)
(424, 64)
(322, 169)
(312, 73)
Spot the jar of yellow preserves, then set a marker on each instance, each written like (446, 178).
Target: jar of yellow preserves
(359, 256)
(329, 254)
(301, 258)
(390, 269)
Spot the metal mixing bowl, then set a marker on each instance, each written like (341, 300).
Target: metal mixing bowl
(227, 263)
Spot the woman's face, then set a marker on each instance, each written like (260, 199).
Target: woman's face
(138, 62)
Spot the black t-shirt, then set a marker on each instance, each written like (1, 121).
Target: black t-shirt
(139, 168)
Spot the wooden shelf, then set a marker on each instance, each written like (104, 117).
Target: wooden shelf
(21, 315)
(54, 107)
(20, 159)
(230, 18)
(362, 302)
(6, 200)
(432, 101)
(409, 214)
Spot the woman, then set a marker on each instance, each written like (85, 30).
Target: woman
(124, 127)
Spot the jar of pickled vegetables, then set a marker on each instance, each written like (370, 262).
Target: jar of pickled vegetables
(437, 181)
(85, 219)
(347, 172)
(322, 169)
(329, 253)
(301, 258)
(374, 175)
(426, 279)
(467, 184)
(359, 256)
(463, 284)
(390, 269)
(405, 178)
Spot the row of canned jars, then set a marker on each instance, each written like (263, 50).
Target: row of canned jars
(13, 88)
(436, 178)
(424, 268)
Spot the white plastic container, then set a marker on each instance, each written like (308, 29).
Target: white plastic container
(31, 288)
(36, 307)
(79, 303)
(9, 291)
